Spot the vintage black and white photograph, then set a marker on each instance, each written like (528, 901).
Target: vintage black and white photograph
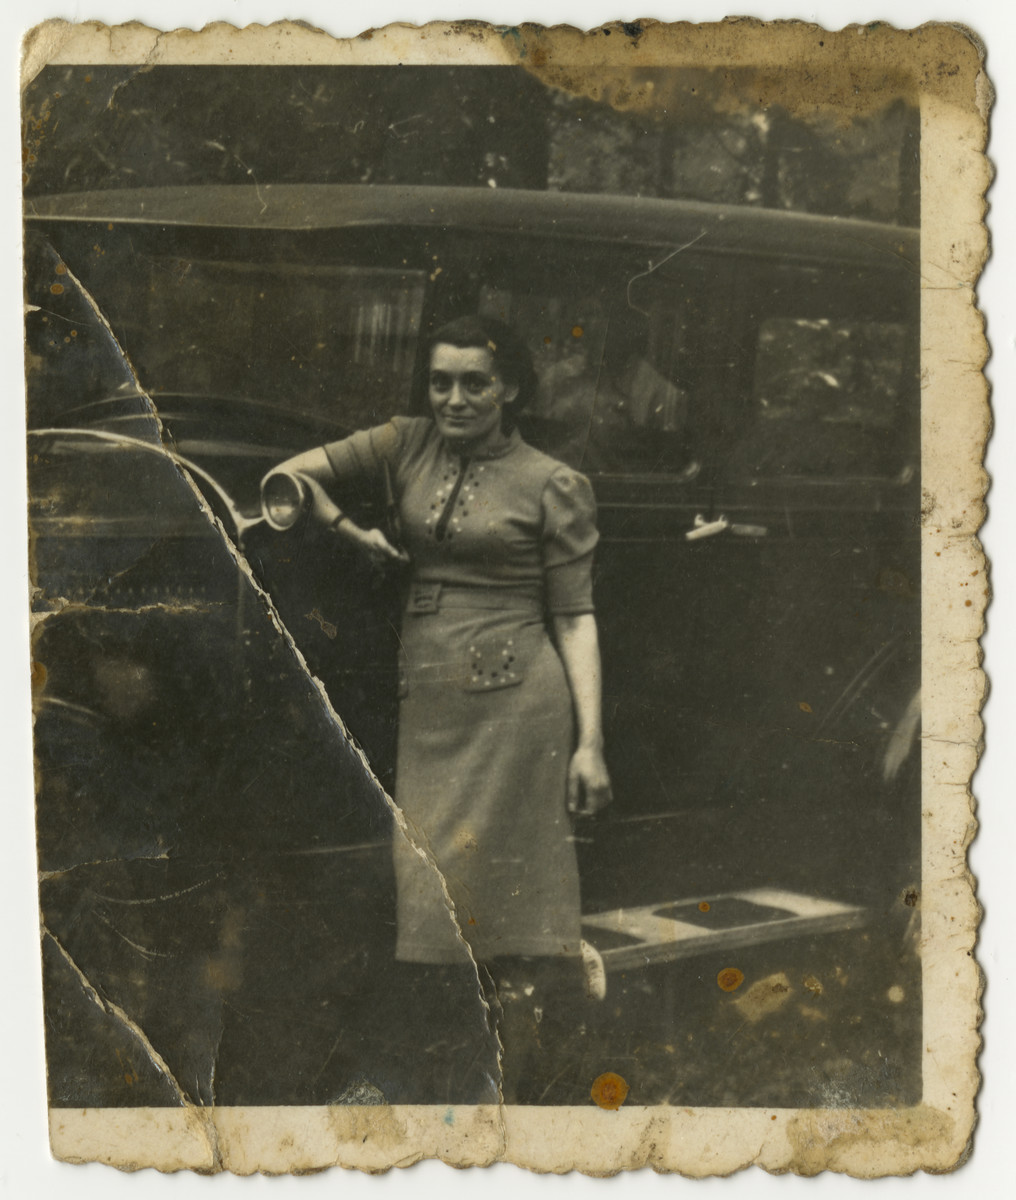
(476, 535)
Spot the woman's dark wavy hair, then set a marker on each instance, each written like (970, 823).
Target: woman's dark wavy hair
(511, 356)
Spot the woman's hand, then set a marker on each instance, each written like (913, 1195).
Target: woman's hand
(588, 782)
(371, 541)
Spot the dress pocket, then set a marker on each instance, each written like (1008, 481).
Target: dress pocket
(494, 664)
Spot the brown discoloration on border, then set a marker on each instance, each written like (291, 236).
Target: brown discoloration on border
(806, 70)
(830, 1140)
(800, 67)
(379, 1124)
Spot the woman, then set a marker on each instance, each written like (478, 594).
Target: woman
(499, 718)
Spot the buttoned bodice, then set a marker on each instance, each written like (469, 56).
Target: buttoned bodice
(511, 517)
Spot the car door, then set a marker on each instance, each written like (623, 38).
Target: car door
(821, 465)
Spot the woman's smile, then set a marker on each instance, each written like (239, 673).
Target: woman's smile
(467, 396)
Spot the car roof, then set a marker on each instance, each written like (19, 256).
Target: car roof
(717, 228)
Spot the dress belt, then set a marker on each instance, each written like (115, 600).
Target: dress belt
(427, 597)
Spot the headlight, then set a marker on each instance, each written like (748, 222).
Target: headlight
(284, 499)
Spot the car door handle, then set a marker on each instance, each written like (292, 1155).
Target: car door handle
(703, 528)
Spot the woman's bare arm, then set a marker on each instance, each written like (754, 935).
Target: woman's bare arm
(579, 647)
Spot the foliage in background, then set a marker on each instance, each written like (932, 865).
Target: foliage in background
(104, 127)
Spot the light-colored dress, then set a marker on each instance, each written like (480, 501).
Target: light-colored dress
(499, 543)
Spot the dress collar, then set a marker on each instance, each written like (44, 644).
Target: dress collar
(511, 442)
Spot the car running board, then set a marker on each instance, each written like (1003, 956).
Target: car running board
(627, 938)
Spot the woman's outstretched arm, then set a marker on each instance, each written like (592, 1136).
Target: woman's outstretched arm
(579, 647)
(314, 469)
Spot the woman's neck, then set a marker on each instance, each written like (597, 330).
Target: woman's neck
(491, 445)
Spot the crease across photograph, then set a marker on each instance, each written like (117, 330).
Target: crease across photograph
(506, 590)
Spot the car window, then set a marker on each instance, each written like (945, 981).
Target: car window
(329, 340)
(829, 398)
(611, 397)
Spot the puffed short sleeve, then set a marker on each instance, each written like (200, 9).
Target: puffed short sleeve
(569, 538)
(360, 458)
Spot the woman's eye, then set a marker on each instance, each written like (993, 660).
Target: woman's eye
(477, 383)
(440, 383)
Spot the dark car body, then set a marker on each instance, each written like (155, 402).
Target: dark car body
(745, 376)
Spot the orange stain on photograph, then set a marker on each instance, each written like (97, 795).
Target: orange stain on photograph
(130, 1075)
(730, 979)
(609, 1091)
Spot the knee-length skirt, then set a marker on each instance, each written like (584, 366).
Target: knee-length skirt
(486, 728)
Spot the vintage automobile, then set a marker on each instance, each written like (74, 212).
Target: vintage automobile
(740, 384)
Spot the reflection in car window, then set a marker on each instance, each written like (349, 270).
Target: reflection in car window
(332, 342)
(827, 400)
(608, 398)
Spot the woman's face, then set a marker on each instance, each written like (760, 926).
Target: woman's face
(467, 395)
